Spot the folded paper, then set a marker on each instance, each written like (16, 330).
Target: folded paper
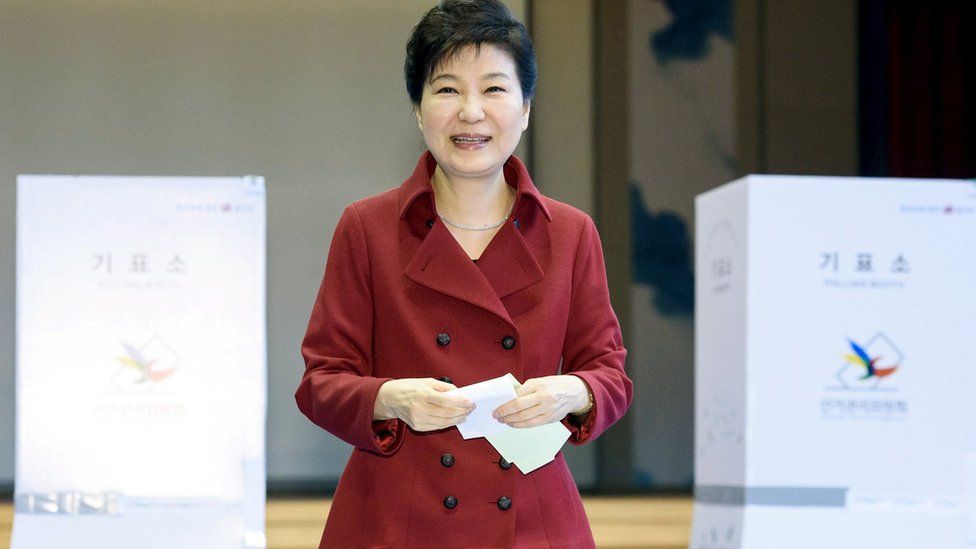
(528, 448)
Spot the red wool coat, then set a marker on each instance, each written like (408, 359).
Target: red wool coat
(396, 282)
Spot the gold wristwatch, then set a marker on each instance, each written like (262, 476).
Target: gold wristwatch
(589, 405)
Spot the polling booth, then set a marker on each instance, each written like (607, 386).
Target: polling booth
(835, 369)
(141, 362)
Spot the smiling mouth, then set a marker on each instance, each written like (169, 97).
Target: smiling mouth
(470, 140)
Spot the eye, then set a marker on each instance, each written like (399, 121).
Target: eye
(495, 89)
(446, 90)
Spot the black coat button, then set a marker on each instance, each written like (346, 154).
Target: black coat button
(447, 460)
(508, 342)
(446, 379)
(504, 464)
(450, 502)
(430, 223)
(443, 339)
(517, 224)
(504, 503)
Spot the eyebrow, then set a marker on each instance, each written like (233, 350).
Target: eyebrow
(486, 76)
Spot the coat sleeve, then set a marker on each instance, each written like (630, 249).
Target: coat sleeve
(338, 390)
(593, 349)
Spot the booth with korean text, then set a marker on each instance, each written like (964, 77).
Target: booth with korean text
(835, 353)
(141, 362)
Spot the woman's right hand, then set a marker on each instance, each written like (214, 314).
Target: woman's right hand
(422, 403)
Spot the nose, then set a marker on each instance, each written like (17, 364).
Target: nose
(471, 110)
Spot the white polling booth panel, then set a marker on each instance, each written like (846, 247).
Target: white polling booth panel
(141, 362)
(835, 377)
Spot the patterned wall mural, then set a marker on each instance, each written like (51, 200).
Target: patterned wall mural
(682, 139)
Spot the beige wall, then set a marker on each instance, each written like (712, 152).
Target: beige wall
(682, 126)
(562, 124)
(562, 129)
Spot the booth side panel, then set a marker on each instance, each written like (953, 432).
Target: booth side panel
(720, 377)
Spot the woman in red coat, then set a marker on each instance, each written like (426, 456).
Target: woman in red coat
(462, 274)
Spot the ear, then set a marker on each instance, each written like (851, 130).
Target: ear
(526, 108)
(420, 121)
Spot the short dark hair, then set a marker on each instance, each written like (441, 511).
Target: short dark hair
(455, 24)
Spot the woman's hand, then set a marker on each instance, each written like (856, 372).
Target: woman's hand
(544, 400)
(421, 403)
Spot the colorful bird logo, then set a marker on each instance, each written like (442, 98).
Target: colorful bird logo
(136, 360)
(861, 358)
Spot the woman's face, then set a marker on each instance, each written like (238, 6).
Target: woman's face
(472, 113)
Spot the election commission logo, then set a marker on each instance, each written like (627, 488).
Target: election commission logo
(865, 383)
(870, 367)
(141, 369)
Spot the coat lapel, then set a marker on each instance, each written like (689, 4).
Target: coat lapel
(508, 264)
(442, 265)
(514, 259)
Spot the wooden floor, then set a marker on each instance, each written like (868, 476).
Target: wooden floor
(631, 522)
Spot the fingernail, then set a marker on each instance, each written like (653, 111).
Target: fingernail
(494, 415)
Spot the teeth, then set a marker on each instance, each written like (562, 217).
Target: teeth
(459, 139)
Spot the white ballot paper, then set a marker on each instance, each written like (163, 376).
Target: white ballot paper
(528, 448)
(487, 396)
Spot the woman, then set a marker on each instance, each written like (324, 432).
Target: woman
(463, 273)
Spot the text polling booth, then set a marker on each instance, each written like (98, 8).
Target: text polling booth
(141, 362)
(835, 364)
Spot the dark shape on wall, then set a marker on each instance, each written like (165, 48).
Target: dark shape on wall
(693, 22)
(661, 257)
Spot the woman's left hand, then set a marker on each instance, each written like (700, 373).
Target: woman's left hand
(544, 400)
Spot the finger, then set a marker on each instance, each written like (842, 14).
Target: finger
(447, 412)
(440, 386)
(534, 422)
(449, 401)
(510, 407)
(443, 422)
(525, 415)
(528, 388)
(516, 405)
(431, 423)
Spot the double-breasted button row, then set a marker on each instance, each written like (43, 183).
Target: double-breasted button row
(450, 502)
(444, 339)
(447, 460)
(504, 503)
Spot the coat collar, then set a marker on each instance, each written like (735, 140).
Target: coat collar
(516, 175)
(514, 259)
